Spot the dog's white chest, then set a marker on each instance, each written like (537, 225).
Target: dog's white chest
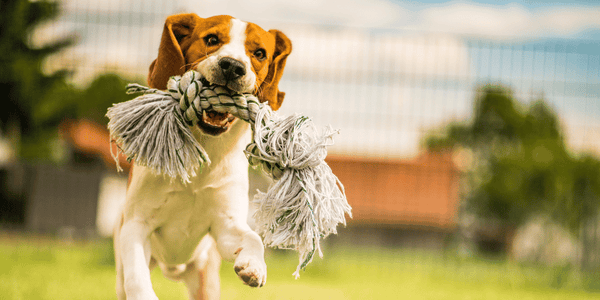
(184, 219)
(182, 213)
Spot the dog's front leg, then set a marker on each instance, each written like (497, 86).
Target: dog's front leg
(135, 254)
(238, 243)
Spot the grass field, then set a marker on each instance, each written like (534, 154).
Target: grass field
(43, 268)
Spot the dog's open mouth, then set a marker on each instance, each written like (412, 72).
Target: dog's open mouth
(215, 123)
(212, 122)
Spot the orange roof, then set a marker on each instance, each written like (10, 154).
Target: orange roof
(423, 191)
(92, 138)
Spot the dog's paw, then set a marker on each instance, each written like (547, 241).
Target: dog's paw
(251, 270)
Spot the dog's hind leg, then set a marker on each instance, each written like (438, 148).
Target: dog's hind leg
(202, 275)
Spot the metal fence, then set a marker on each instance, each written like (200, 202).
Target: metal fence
(385, 89)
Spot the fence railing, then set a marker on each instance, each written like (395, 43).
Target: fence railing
(384, 89)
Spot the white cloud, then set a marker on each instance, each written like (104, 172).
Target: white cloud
(508, 21)
(329, 52)
(115, 6)
(462, 17)
(374, 87)
(359, 13)
(568, 20)
(476, 19)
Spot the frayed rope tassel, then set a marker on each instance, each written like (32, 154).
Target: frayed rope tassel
(305, 203)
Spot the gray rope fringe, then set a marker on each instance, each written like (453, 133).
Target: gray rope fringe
(304, 204)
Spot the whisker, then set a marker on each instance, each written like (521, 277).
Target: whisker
(269, 82)
(259, 91)
(186, 65)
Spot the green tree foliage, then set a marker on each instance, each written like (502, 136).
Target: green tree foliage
(66, 101)
(521, 166)
(22, 81)
(69, 102)
(37, 102)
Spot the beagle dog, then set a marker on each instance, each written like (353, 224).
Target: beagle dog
(185, 229)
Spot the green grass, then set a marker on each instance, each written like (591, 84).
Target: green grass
(43, 268)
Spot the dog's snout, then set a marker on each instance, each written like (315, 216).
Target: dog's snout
(232, 68)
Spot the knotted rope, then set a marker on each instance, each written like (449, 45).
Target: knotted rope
(303, 205)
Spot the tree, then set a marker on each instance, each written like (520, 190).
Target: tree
(22, 80)
(521, 164)
(38, 102)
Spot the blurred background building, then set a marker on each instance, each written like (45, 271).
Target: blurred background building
(407, 84)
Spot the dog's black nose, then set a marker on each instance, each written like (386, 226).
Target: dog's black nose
(232, 68)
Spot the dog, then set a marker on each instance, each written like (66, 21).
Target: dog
(186, 229)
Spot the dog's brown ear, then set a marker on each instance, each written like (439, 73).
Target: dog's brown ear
(269, 88)
(170, 60)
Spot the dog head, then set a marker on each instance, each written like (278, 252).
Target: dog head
(226, 51)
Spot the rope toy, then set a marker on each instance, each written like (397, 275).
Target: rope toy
(305, 203)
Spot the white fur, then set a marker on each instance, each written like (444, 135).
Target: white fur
(164, 220)
(235, 49)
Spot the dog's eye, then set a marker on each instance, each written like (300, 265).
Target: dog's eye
(260, 54)
(211, 40)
